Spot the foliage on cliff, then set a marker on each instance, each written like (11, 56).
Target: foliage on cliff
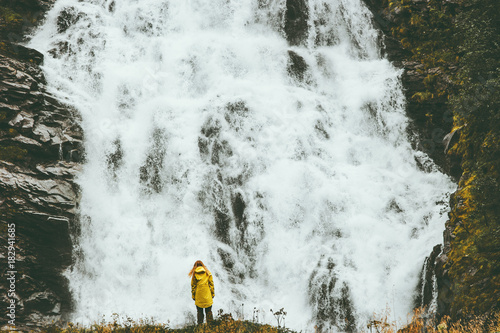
(474, 260)
(426, 32)
(12, 21)
(462, 39)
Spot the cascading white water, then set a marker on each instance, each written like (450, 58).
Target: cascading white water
(202, 142)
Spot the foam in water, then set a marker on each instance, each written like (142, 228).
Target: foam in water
(297, 189)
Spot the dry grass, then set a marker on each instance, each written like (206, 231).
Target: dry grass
(423, 323)
(224, 324)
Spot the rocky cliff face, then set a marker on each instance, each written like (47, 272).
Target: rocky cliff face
(40, 151)
(426, 81)
(449, 52)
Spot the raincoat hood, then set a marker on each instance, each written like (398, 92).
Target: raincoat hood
(199, 272)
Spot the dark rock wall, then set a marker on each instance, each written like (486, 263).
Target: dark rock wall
(296, 16)
(449, 52)
(40, 151)
(426, 81)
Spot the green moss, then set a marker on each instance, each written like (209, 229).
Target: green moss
(12, 132)
(11, 24)
(12, 153)
(474, 264)
(3, 228)
(10, 21)
(427, 32)
(429, 35)
(3, 116)
(9, 16)
(422, 96)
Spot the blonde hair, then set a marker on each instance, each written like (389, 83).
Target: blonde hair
(197, 264)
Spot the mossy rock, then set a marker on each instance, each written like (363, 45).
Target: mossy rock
(4, 116)
(12, 153)
(9, 16)
(11, 22)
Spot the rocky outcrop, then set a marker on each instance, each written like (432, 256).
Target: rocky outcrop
(40, 154)
(432, 118)
(297, 66)
(331, 299)
(434, 42)
(296, 16)
(426, 85)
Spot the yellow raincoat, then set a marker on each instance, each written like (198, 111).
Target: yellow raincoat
(202, 288)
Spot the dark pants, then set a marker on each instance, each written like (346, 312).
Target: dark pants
(208, 312)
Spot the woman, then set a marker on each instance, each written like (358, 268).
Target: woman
(202, 290)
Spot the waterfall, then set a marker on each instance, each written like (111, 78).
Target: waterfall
(280, 158)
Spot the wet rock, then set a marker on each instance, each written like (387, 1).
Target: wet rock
(239, 206)
(235, 114)
(67, 17)
(392, 49)
(212, 147)
(427, 289)
(236, 272)
(296, 16)
(22, 119)
(115, 159)
(152, 170)
(444, 289)
(43, 302)
(46, 133)
(321, 131)
(40, 147)
(222, 225)
(454, 162)
(430, 134)
(25, 16)
(239, 210)
(227, 258)
(60, 169)
(209, 133)
(37, 192)
(330, 299)
(24, 141)
(297, 66)
(112, 6)
(451, 138)
(43, 249)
